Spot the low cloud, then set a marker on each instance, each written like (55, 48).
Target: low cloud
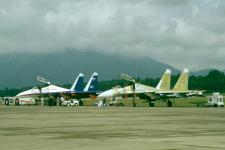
(183, 33)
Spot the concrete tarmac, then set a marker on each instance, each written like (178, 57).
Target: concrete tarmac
(111, 128)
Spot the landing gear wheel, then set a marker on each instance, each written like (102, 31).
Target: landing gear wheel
(17, 102)
(7, 102)
(215, 105)
(81, 103)
(151, 104)
(169, 103)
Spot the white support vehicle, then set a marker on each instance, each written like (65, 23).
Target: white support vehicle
(70, 102)
(114, 102)
(215, 100)
(19, 101)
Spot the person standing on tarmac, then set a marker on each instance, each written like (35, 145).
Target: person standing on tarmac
(104, 102)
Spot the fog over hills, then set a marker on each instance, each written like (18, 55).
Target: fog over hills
(20, 69)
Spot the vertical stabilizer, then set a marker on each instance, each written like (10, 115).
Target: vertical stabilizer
(164, 83)
(92, 83)
(182, 82)
(78, 83)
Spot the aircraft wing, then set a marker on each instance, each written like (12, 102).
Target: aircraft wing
(128, 91)
(80, 95)
(178, 94)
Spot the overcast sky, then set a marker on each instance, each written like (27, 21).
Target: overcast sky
(182, 33)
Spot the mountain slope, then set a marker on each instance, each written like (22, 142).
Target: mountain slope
(20, 69)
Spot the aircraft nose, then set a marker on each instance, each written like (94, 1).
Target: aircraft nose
(108, 93)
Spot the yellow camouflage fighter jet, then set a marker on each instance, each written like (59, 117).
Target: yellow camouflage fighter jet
(161, 92)
(180, 89)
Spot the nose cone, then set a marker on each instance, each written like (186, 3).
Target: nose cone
(200, 93)
(29, 92)
(105, 94)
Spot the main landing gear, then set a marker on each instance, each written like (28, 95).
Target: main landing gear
(169, 103)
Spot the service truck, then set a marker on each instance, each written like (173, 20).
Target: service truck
(19, 101)
(70, 102)
(215, 100)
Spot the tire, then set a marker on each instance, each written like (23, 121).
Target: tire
(81, 103)
(215, 105)
(68, 104)
(17, 102)
(7, 102)
(169, 103)
(151, 104)
(76, 104)
(222, 106)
